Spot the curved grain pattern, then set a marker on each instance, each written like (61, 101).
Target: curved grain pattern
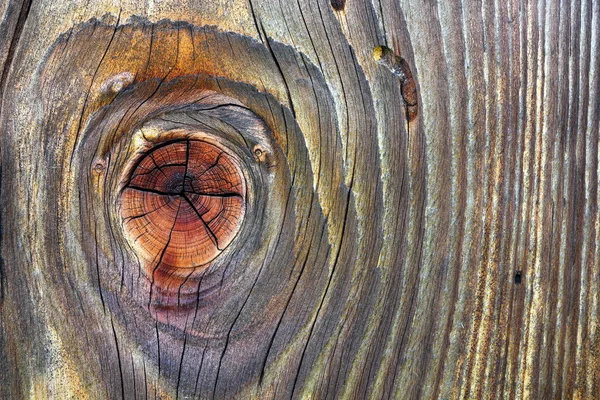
(305, 199)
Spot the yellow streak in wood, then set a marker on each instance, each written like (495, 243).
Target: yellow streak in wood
(318, 370)
(161, 388)
(61, 380)
(536, 305)
(288, 357)
(370, 337)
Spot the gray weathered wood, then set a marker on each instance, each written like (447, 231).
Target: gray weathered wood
(421, 221)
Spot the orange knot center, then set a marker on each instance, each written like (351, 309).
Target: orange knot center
(183, 204)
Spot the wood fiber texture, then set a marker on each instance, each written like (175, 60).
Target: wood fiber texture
(403, 200)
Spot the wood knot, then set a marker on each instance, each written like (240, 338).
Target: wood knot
(183, 204)
(399, 67)
(260, 155)
(99, 167)
(338, 5)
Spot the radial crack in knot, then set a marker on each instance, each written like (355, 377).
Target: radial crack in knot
(183, 204)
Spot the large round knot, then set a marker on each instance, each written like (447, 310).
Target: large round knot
(183, 204)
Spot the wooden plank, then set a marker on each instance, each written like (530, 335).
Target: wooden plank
(395, 199)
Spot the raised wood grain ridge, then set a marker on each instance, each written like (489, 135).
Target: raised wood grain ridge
(402, 199)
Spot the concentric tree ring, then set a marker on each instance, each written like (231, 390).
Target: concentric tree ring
(183, 204)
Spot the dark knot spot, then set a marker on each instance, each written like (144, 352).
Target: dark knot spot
(338, 5)
(518, 277)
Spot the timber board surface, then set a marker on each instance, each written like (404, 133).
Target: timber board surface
(421, 219)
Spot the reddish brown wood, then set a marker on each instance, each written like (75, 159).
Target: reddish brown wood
(182, 206)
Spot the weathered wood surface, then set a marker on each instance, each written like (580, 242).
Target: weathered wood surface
(415, 227)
